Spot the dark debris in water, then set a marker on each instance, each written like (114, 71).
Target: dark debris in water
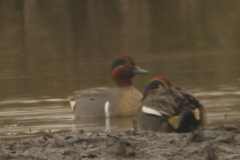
(208, 144)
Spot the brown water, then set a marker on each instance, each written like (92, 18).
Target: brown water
(205, 75)
(49, 50)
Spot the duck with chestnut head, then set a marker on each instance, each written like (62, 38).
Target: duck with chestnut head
(123, 100)
(169, 109)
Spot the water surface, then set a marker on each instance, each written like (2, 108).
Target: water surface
(213, 80)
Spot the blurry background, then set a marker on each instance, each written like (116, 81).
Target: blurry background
(48, 49)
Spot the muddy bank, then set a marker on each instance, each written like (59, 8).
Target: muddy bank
(222, 142)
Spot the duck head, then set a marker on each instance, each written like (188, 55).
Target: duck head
(155, 84)
(123, 70)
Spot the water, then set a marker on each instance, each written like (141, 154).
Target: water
(218, 91)
(49, 50)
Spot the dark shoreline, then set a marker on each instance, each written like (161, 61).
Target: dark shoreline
(221, 142)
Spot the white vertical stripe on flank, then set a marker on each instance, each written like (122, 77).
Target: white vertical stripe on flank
(106, 107)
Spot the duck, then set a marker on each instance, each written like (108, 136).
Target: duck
(122, 100)
(167, 108)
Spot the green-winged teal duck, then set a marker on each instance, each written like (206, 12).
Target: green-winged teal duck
(123, 100)
(169, 109)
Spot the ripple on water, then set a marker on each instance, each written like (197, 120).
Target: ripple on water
(24, 118)
(222, 107)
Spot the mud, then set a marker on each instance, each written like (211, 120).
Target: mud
(216, 143)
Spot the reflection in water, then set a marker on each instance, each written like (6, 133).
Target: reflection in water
(30, 117)
(221, 106)
(108, 124)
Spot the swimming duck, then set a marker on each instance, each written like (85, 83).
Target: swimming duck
(169, 109)
(123, 100)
